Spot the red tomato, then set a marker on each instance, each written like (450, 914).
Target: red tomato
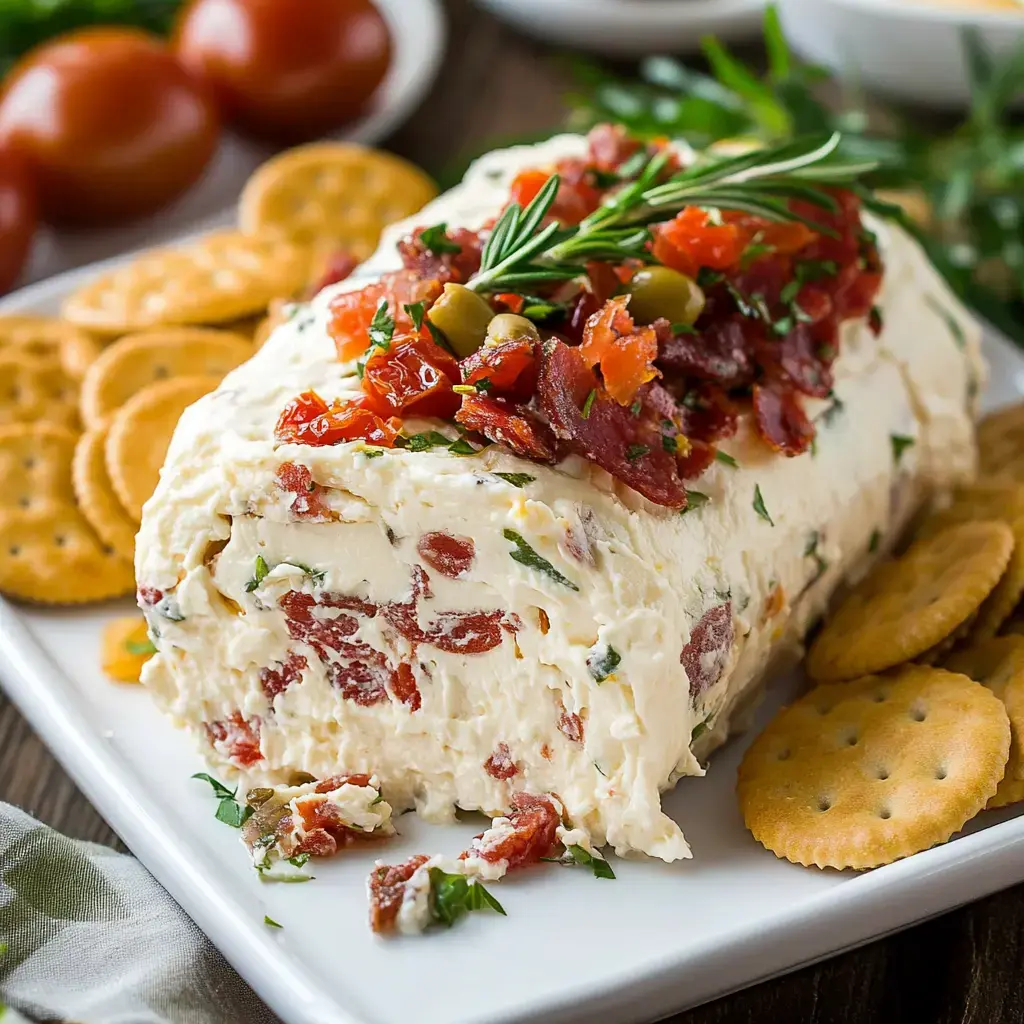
(17, 217)
(286, 70)
(111, 124)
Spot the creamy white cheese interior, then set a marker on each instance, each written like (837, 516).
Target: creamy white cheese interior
(696, 606)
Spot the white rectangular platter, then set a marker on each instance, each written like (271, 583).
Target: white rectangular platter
(573, 948)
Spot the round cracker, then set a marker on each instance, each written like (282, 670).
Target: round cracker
(1001, 442)
(138, 360)
(222, 277)
(95, 493)
(333, 195)
(1010, 791)
(907, 605)
(998, 663)
(49, 337)
(859, 774)
(140, 433)
(35, 389)
(48, 551)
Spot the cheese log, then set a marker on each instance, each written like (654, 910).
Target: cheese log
(568, 636)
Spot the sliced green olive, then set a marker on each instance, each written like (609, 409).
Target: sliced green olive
(510, 327)
(462, 316)
(664, 292)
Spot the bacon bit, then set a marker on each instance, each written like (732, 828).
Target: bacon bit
(570, 725)
(625, 353)
(708, 414)
(533, 821)
(500, 765)
(781, 421)
(719, 353)
(518, 429)
(361, 675)
(337, 267)
(236, 738)
(545, 752)
(325, 831)
(403, 686)
(705, 656)
(308, 419)
(610, 146)
(692, 241)
(448, 555)
(699, 459)
(277, 679)
(387, 890)
(510, 367)
(776, 602)
(149, 596)
(308, 504)
(414, 377)
(445, 267)
(609, 430)
(333, 782)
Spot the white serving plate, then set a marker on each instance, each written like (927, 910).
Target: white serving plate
(418, 38)
(632, 28)
(909, 49)
(573, 948)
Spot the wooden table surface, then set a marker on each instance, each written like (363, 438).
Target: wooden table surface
(963, 967)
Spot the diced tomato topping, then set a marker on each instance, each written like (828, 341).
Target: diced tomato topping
(414, 376)
(510, 302)
(624, 352)
(707, 652)
(577, 196)
(448, 266)
(308, 419)
(509, 368)
(236, 738)
(387, 890)
(500, 765)
(333, 782)
(693, 240)
(448, 555)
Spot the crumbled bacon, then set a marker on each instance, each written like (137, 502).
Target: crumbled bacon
(781, 421)
(570, 725)
(448, 555)
(445, 267)
(387, 890)
(324, 830)
(705, 655)
(500, 765)
(610, 146)
(403, 685)
(237, 738)
(308, 504)
(149, 596)
(452, 632)
(333, 782)
(624, 352)
(360, 673)
(277, 678)
(719, 353)
(531, 835)
(519, 429)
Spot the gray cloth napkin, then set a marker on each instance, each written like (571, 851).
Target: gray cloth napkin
(91, 937)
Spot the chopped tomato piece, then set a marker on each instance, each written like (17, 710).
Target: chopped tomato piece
(577, 195)
(509, 368)
(512, 302)
(309, 420)
(692, 240)
(414, 376)
(625, 353)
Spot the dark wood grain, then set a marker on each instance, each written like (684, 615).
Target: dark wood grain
(963, 968)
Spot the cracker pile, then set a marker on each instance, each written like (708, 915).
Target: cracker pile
(89, 400)
(917, 724)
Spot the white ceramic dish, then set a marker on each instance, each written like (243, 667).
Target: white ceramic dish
(418, 33)
(631, 28)
(573, 948)
(909, 49)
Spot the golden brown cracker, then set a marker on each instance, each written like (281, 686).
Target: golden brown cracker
(333, 195)
(48, 551)
(907, 605)
(862, 773)
(49, 337)
(126, 648)
(140, 433)
(1001, 443)
(138, 360)
(998, 663)
(95, 493)
(35, 389)
(1010, 792)
(218, 278)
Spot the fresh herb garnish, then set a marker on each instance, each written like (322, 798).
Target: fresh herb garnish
(636, 451)
(229, 810)
(516, 479)
(453, 896)
(460, 446)
(262, 572)
(382, 327)
(828, 415)
(900, 443)
(426, 441)
(701, 727)
(270, 922)
(727, 459)
(371, 451)
(695, 500)
(140, 646)
(682, 328)
(600, 867)
(525, 555)
(602, 664)
(759, 506)
(588, 404)
(416, 311)
(811, 551)
(435, 239)
(876, 539)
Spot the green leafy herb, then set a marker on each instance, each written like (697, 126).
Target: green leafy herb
(460, 446)
(694, 501)
(525, 555)
(811, 551)
(900, 443)
(270, 922)
(436, 240)
(229, 810)
(262, 571)
(371, 451)
(600, 867)
(636, 451)
(516, 479)
(382, 327)
(588, 404)
(317, 575)
(140, 646)
(829, 414)
(727, 459)
(759, 506)
(682, 328)
(540, 311)
(417, 311)
(453, 896)
(299, 860)
(601, 664)
(876, 539)
(701, 727)
(426, 441)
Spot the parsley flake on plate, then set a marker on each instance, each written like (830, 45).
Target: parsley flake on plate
(453, 896)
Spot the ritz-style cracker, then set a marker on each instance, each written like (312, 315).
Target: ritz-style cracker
(95, 493)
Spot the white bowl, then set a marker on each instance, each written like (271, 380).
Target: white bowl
(908, 49)
(631, 28)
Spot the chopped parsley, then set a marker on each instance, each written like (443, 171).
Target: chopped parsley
(140, 646)
(538, 310)
(811, 551)
(682, 328)
(481, 386)
(417, 311)
(828, 415)
(588, 404)
(636, 451)
(453, 896)
(382, 327)
(876, 539)
(602, 664)
(460, 446)
(229, 810)
(270, 922)
(516, 479)
(439, 339)
(701, 727)
(262, 572)
(759, 506)
(577, 855)
(695, 500)
(636, 407)
(900, 443)
(425, 441)
(525, 555)
(435, 239)
(726, 458)
(876, 321)
(951, 321)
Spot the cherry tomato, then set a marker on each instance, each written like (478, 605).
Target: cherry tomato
(286, 70)
(17, 217)
(112, 126)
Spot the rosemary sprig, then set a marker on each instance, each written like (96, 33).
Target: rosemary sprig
(520, 251)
